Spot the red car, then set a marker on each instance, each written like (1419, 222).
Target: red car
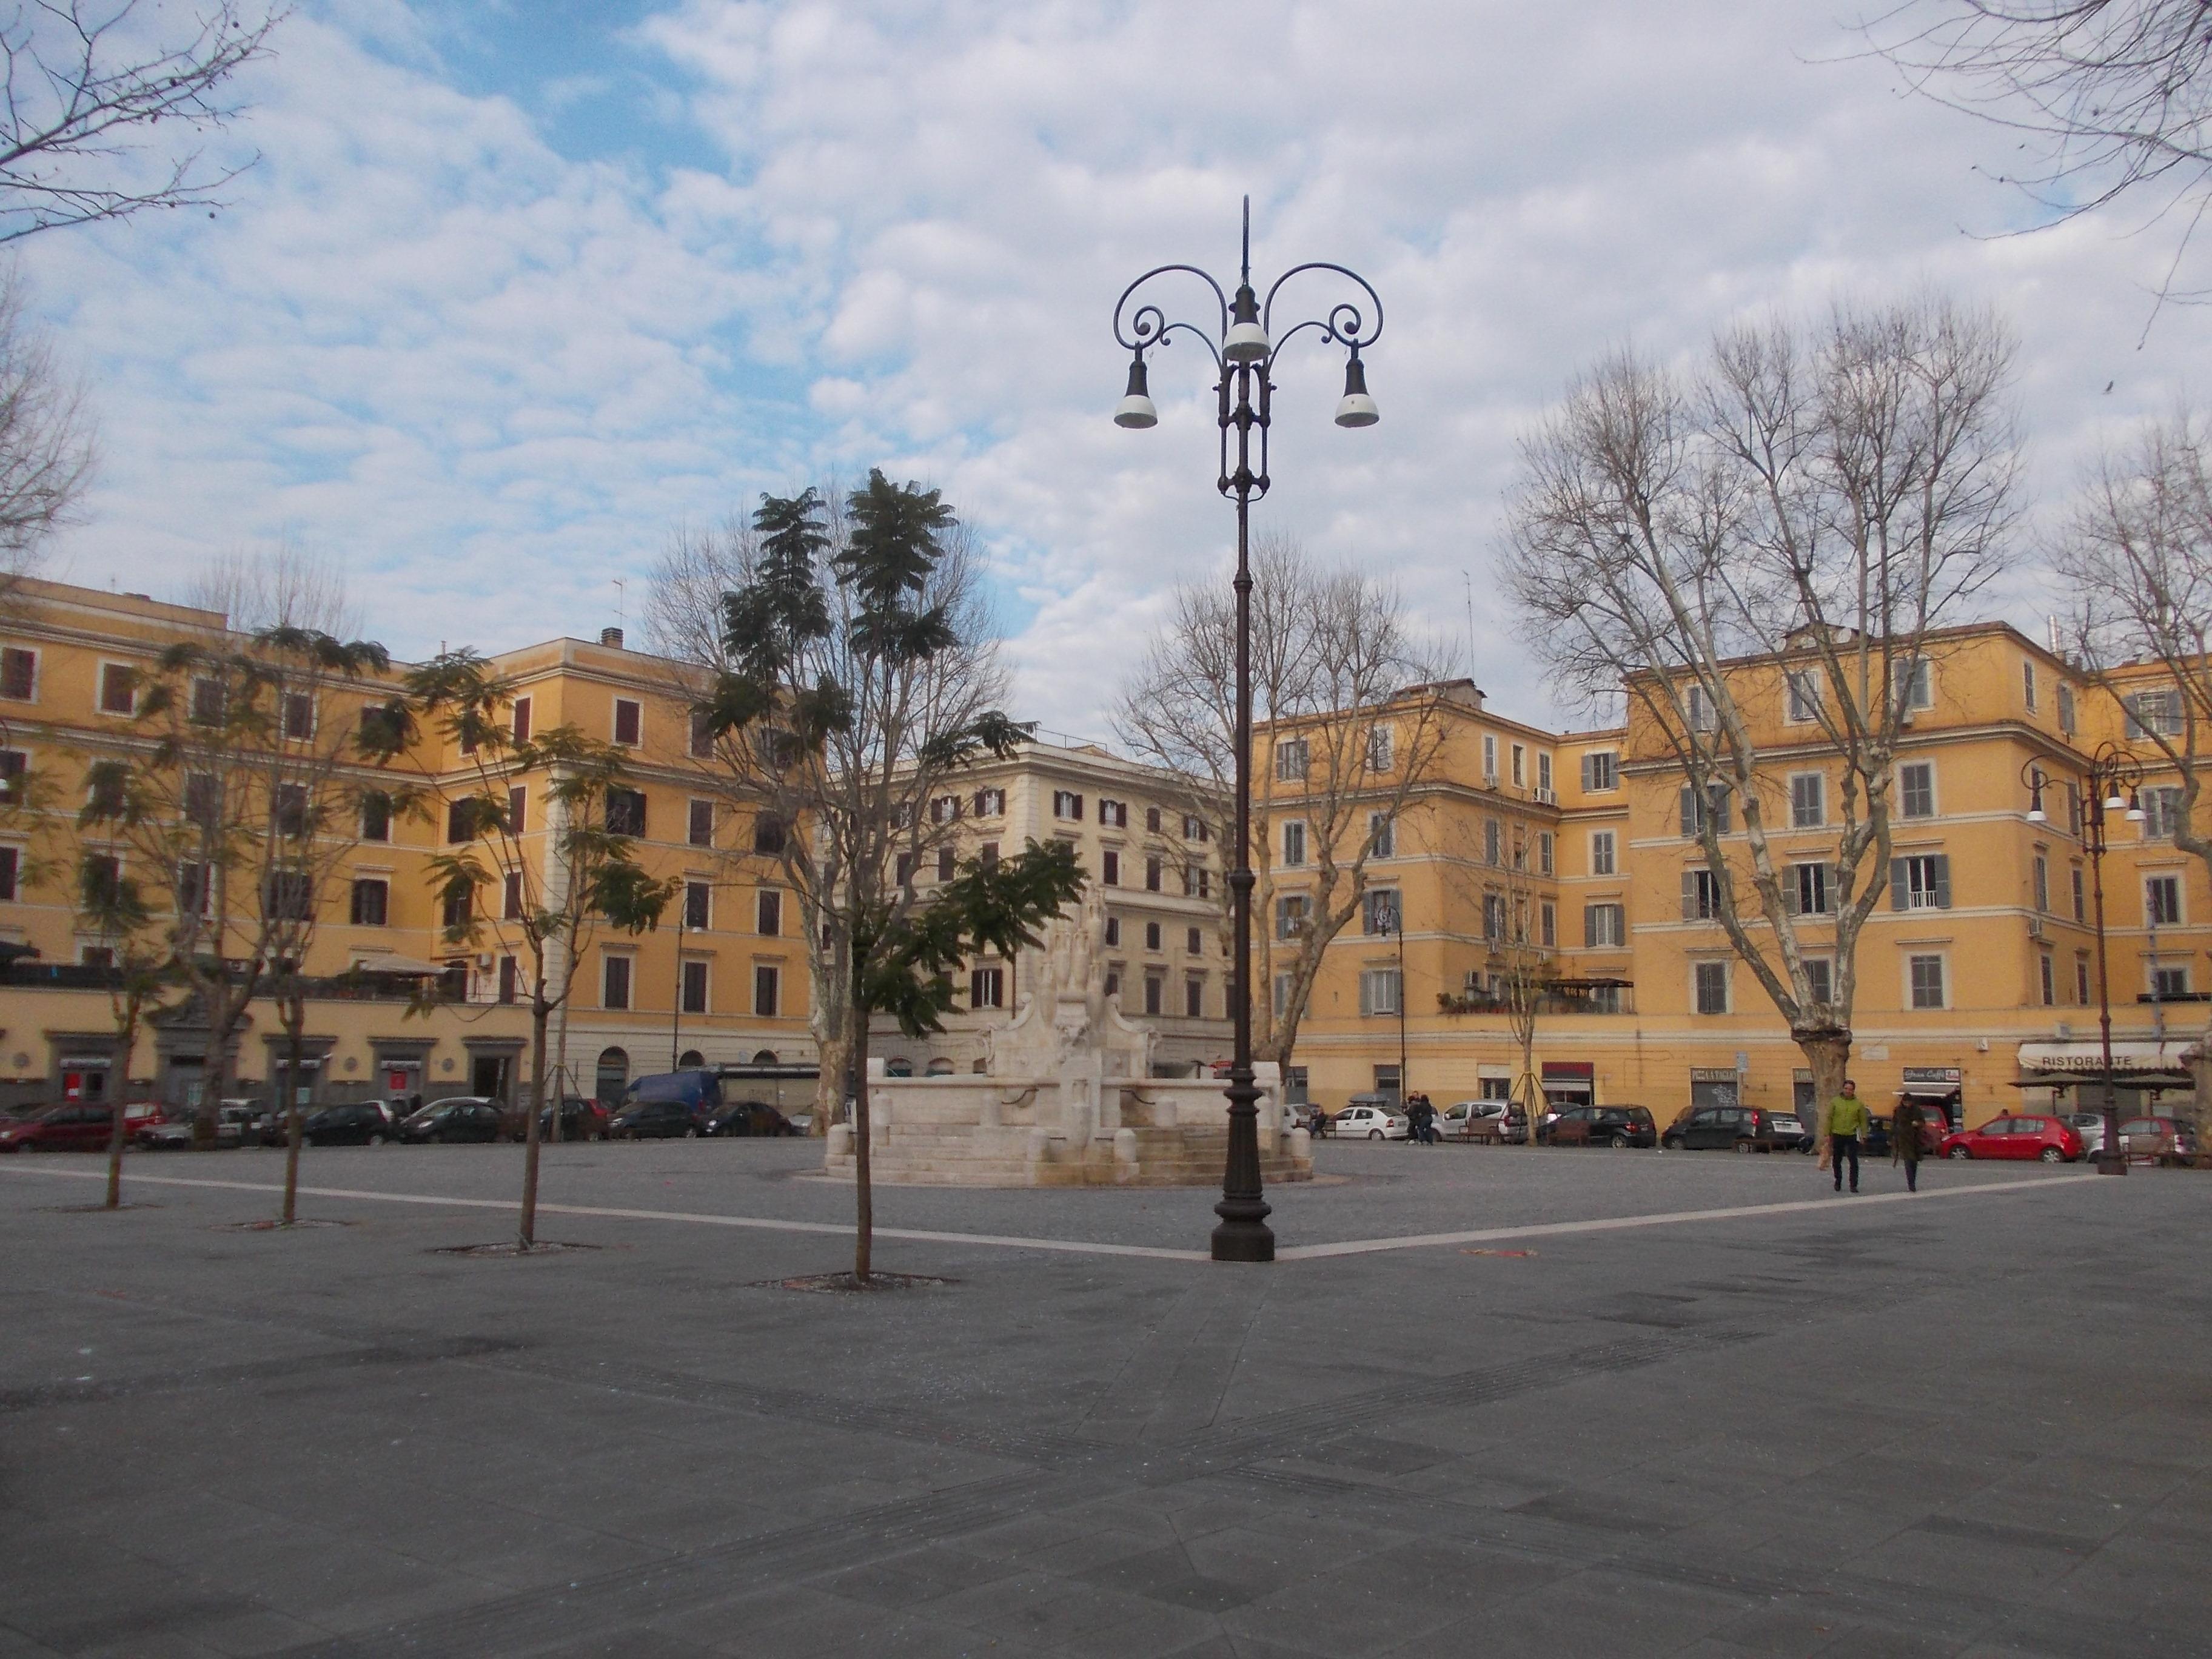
(2167, 1140)
(61, 1129)
(2047, 1139)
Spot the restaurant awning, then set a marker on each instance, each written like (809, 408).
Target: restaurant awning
(2073, 1062)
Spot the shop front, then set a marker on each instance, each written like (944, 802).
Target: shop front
(1569, 1083)
(1712, 1085)
(1935, 1089)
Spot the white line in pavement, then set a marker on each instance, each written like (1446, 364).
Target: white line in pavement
(1614, 1223)
(1078, 1247)
(762, 1223)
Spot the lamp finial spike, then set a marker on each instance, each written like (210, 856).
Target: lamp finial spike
(1248, 240)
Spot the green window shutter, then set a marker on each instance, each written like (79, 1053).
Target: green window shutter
(1899, 899)
(1942, 881)
(1689, 811)
(1689, 895)
(1589, 925)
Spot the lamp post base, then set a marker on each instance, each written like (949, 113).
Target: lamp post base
(2111, 1162)
(1243, 1234)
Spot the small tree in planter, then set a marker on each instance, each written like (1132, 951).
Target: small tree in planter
(511, 793)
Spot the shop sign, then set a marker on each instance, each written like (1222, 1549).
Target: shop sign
(1712, 1074)
(1950, 1074)
(1571, 1068)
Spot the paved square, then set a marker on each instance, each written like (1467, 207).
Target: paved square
(1633, 1403)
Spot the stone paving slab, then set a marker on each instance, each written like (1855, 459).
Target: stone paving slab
(1970, 1425)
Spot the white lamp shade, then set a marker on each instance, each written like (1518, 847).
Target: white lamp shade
(2113, 803)
(1356, 407)
(2037, 815)
(1135, 410)
(1245, 343)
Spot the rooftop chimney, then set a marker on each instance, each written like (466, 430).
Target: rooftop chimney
(611, 638)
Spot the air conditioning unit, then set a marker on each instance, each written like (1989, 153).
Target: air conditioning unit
(1490, 780)
(2035, 929)
(483, 959)
(1546, 796)
(1904, 717)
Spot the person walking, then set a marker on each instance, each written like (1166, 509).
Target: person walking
(1905, 1126)
(1847, 1122)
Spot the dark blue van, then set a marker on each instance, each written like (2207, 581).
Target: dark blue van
(644, 1106)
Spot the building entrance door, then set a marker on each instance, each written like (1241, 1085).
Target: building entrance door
(487, 1076)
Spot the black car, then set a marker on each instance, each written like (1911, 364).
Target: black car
(364, 1123)
(654, 1120)
(1739, 1128)
(1609, 1126)
(749, 1117)
(465, 1117)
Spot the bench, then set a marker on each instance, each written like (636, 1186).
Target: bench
(1571, 1134)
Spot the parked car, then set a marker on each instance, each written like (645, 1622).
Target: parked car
(234, 1125)
(359, 1123)
(1368, 1122)
(749, 1117)
(60, 1129)
(1740, 1128)
(460, 1117)
(802, 1122)
(2166, 1138)
(2090, 1126)
(1457, 1120)
(581, 1120)
(654, 1120)
(1609, 1126)
(2051, 1139)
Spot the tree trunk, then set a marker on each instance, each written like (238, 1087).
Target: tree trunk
(296, 1029)
(1526, 1085)
(216, 1079)
(1829, 1054)
(834, 1083)
(864, 1197)
(539, 1014)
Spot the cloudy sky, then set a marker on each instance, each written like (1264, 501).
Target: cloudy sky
(515, 289)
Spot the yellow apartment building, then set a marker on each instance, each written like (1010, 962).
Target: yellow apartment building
(722, 982)
(1976, 981)
(1154, 856)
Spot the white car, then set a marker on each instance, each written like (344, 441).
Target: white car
(1455, 1120)
(1371, 1122)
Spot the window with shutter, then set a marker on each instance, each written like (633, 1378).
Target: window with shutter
(629, 722)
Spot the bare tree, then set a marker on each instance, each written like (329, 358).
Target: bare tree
(134, 944)
(545, 826)
(852, 676)
(1778, 536)
(2112, 99)
(234, 794)
(91, 84)
(46, 441)
(1351, 711)
(1492, 869)
(2136, 560)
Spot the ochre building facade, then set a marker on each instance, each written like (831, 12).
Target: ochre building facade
(1976, 972)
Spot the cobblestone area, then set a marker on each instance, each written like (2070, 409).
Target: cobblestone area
(1974, 1425)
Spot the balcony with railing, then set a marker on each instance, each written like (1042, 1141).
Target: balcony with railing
(31, 975)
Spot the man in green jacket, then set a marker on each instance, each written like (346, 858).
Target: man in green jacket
(1847, 1122)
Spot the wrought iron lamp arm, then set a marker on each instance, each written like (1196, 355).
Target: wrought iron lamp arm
(1147, 326)
(1346, 324)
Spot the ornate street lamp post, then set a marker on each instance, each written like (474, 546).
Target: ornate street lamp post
(1244, 344)
(2113, 770)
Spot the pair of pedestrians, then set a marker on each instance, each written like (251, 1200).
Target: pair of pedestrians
(1846, 1119)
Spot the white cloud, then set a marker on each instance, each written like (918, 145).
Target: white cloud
(491, 374)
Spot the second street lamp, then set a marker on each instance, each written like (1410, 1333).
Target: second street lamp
(2114, 783)
(1240, 337)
